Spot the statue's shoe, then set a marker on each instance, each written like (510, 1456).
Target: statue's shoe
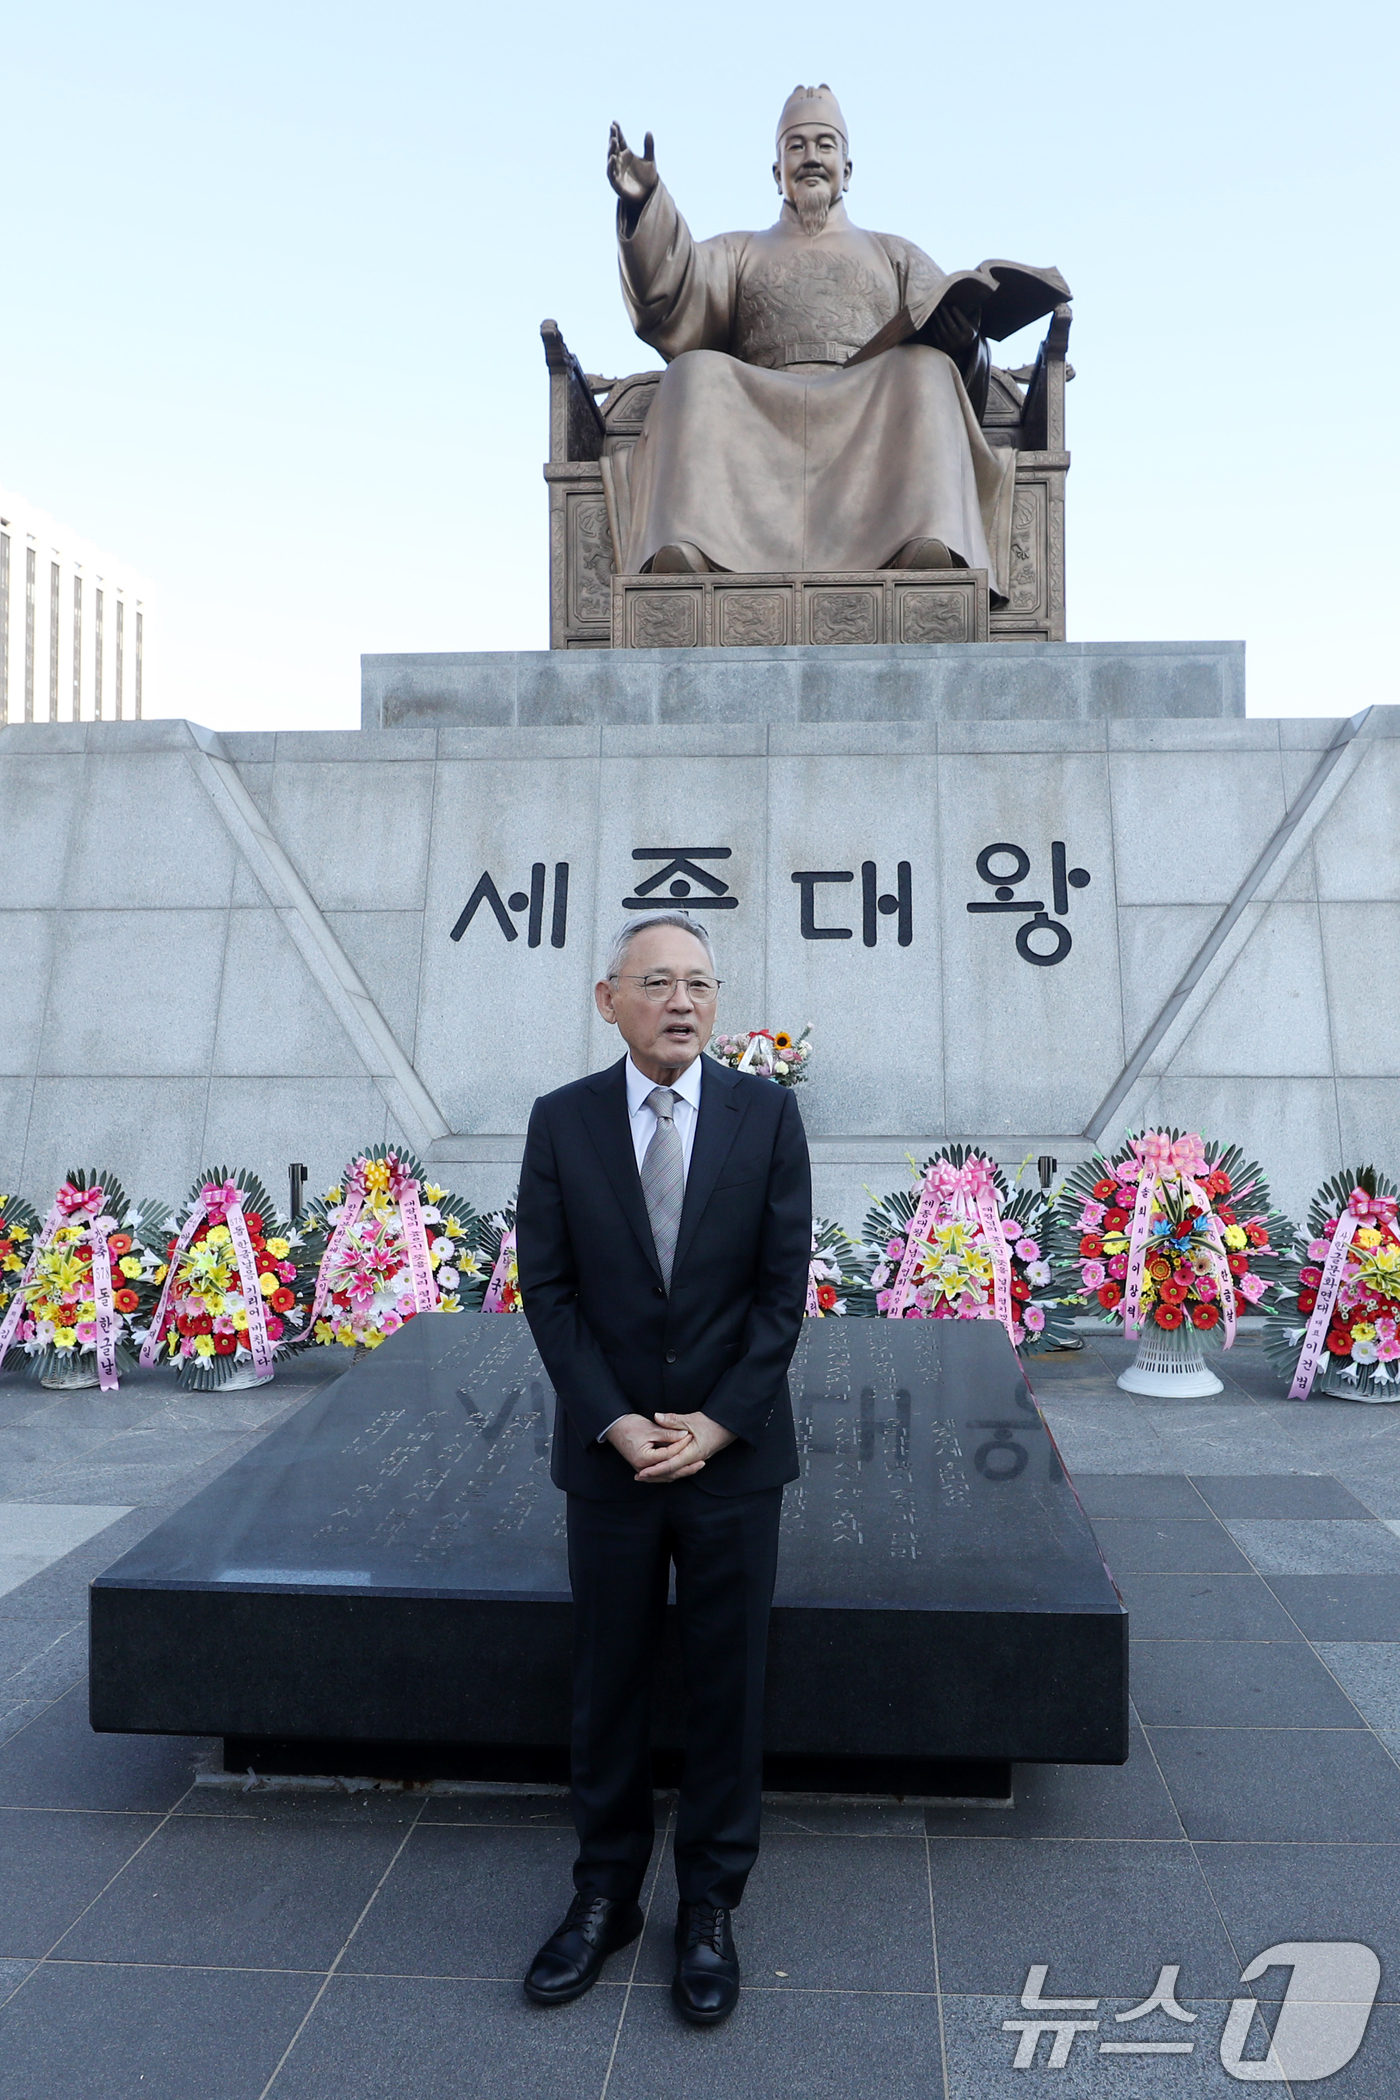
(924, 554)
(679, 558)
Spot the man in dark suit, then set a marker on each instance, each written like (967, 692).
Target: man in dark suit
(664, 1236)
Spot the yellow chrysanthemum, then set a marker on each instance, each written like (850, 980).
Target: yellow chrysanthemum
(65, 1337)
(1366, 1236)
(129, 1265)
(204, 1345)
(279, 1249)
(1235, 1237)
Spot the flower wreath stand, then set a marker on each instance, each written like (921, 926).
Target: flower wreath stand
(397, 1245)
(236, 1291)
(1172, 1239)
(88, 1286)
(1339, 1327)
(496, 1287)
(957, 1244)
(766, 1054)
(19, 1225)
(832, 1277)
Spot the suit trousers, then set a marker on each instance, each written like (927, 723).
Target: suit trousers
(725, 1550)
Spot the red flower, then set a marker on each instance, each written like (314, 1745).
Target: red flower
(202, 1324)
(1090, 1245)
(282, 1301)
(1224, 1213)
(170, 1247)
(342, 1299)
(225, 1344)
(267, 1266)
(1109, 1294)
(256, 1242)
(1255, 1233)
(125, 1301)
(1159, 1269)
(1104, 1191)
(1174, 1293)
(826, 1296)
(1216, 1183)
(255, 1223)
(1019, 1287)
(1169, 1316)
(1306, 1301)
(1339, 1342)
(119, 1243)
(1115, 1221)
(1204, 1316)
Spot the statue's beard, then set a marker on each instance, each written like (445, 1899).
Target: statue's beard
(812, 205)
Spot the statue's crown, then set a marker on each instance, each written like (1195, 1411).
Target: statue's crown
(812, 105)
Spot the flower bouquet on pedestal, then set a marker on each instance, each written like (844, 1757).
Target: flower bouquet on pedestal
(1169, 1240)
(767, 1055)
(958, 1245)
(832, 1275)
(1338, 1329)
(88, 1286)
(397, 1245)
(496, 1283)
(238, 1287)
(18, 1225)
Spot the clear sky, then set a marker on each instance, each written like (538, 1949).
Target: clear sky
(273, 278)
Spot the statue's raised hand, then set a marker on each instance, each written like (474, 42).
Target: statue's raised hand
(632, 175)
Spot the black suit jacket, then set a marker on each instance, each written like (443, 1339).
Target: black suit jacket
(611, 1340)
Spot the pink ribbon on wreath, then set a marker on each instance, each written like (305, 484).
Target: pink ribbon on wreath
(259, 1341)
(969, 1191)
(415, 1234)
(65, 1206)
(104, 1308)
(495, 1289)
(403, 1187)
(812, 1310)
(1360, 1210)
(1158, 1156)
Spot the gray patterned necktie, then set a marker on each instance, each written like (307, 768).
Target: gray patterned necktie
(663, 1178)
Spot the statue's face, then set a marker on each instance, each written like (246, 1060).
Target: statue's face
(811, 158)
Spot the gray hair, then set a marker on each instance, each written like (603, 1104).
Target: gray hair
(630, 928)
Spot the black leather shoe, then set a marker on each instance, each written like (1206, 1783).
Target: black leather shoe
(569, 1962)
(706, 1983)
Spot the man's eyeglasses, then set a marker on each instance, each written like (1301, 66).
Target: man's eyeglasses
(658, 985)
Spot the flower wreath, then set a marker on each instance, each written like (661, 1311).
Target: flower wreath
(1171, 1234)
(19, 1222)
(497, 1283)
(397, 1245)
(1341, 1290)
(238, 1287)
(782, 1056)
(829, 1288)
(90, 1282)
(956, 1242)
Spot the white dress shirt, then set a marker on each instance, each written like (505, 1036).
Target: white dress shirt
(684, 1114)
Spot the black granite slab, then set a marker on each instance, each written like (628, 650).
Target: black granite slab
(382, 1583)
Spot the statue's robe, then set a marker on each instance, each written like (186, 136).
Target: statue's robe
(759, 448)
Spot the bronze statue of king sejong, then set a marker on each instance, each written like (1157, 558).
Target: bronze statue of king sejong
(766, 450)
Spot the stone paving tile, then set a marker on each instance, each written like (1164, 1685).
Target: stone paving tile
(1103, 1916)
(81, 2033)
(220, 1894)
(434, 2038)
(57, 1762)
(1204, 1608)
(1369, 1674)
(1341, 1607)
(52, 1865)
(1138, 1495)
(1277, 1495)
(440, 1914)
(1237, 1684)
(823, 2045)
(820, 1914)
(12, 1975)
(1274, 1784)
(1074, 1801)
(1269, 1894)
(981, 2054)
(1169, 1545)
(1317, 1546)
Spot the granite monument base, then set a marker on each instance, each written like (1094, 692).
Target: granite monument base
(383, 1581)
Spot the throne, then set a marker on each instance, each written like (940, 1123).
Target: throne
(594, 423)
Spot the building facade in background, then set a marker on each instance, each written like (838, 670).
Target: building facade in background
(74, 623)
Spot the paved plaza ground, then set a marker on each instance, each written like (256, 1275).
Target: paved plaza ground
(170, 1938)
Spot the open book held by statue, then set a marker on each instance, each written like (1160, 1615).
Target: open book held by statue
(821, 408)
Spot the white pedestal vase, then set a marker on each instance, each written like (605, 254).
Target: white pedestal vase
(1170, 1364)
(1338, 1387)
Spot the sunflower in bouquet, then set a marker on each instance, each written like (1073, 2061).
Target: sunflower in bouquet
(931, 1246)
(396, 1244)
(1339, 1302)
(240, 1284)
(91, 1267)
(833, 1273)
(1212, 1246)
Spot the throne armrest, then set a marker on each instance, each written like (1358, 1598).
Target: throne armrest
(575, 426)
(1043, 416)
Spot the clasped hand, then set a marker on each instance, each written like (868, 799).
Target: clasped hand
(671, 1447)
